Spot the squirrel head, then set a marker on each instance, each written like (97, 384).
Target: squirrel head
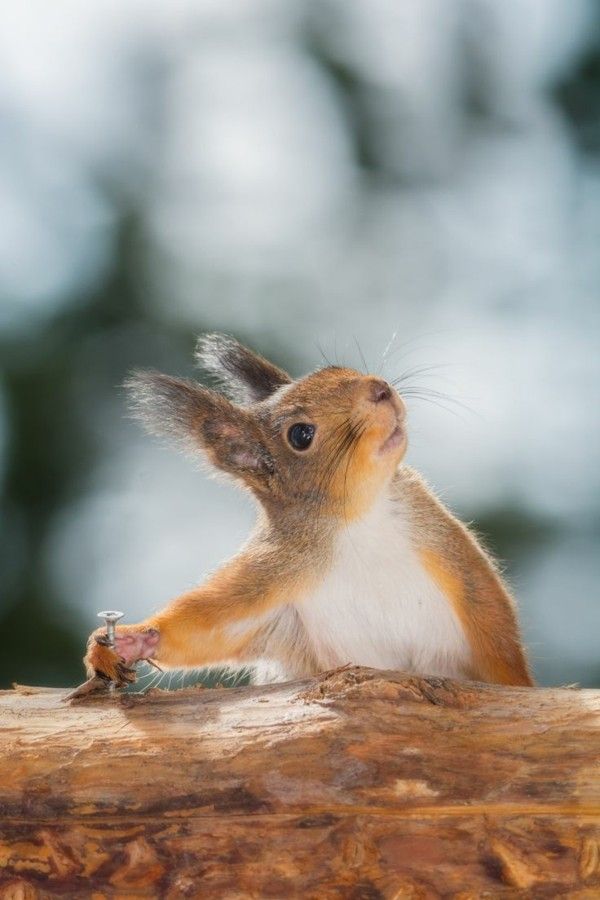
(326, 443)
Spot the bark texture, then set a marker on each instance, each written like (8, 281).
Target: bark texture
(359, 784)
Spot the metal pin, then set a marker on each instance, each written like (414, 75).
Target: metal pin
(111, 617)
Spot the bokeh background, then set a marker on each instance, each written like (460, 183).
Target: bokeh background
(318, 178)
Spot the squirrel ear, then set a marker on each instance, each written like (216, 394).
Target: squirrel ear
(171, 407)
(236, 447)
(200, 419)
(246, 376)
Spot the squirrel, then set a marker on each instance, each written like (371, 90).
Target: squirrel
(352, 559)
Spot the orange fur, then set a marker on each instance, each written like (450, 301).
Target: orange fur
(488, 621)
(245, 610)
(194, 627)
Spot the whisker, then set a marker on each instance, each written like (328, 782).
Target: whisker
(362, 355)
(386, 350)
(389, 353)
(417, 371)
(154, 683)
(435, 402)
(431, 392)
(335, 351)
(432, 396)
(336, 457)
(405, 384)
(147, 673)
(416, 341)
(341, 451)
(356, 438)
(336, 439)
(322, 352)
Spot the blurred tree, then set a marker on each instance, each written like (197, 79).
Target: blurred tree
(51, 451)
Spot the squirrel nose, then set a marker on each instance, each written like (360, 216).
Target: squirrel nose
(380, 390)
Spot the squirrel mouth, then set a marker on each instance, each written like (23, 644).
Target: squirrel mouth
(395, 440)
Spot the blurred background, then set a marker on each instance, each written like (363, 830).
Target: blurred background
(328, 178)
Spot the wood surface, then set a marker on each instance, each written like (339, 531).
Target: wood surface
(359, 784)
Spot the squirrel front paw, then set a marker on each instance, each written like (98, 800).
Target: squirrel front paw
(116, 663)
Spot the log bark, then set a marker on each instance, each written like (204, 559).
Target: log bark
(358, 784)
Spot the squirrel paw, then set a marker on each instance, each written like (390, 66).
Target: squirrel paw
(105, 662)
(134, 645)
(116, 663)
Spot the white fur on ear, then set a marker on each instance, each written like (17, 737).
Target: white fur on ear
(200, 419)
(244, 375)
(171, 407)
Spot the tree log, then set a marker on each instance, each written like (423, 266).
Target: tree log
(357, 784)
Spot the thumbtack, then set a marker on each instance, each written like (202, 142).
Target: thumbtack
(111, 617)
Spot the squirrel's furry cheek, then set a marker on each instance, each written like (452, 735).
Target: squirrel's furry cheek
(357, 483)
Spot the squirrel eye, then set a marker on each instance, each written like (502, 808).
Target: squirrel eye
(300, 435)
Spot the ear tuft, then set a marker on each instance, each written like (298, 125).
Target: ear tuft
(201, 419)
(245, 376)
(166, 406)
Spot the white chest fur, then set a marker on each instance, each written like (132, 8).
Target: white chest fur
(379, 607)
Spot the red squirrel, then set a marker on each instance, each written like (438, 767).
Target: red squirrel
(352, 560)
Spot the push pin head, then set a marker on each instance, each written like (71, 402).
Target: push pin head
(111, 617)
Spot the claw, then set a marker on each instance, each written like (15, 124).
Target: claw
(126, 675)
(100, 682)
(153, 663)
(94, 685)
(103, 640)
